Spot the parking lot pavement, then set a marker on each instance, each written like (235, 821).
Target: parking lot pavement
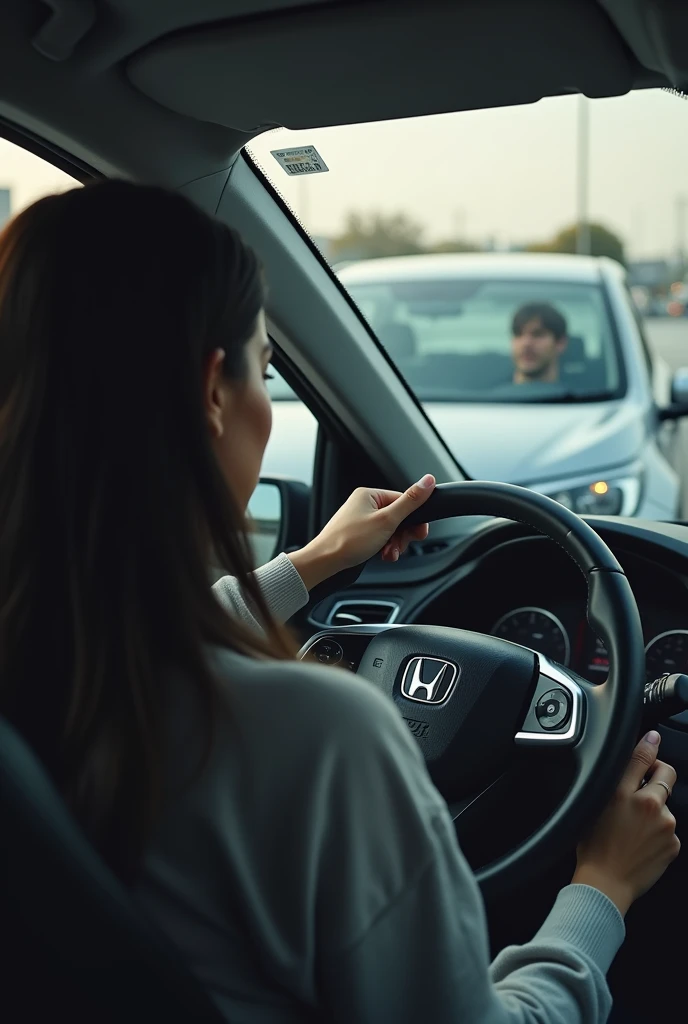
(669, 337)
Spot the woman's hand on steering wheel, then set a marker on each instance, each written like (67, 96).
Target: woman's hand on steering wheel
(367, 523)
(635, 840)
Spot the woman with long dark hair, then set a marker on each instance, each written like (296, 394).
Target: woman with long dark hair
(275, 818)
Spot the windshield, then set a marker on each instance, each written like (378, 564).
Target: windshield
(485, 213)
(484, 339)
(526, 270)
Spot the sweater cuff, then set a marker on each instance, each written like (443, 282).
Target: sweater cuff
(587, 919)
(282, 587)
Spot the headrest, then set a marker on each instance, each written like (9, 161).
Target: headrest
(574, 359)
(398, 339)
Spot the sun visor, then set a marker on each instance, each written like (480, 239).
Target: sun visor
(656, 32)
(376, 61)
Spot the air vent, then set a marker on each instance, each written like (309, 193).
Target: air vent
(357, 613)
(431, 546)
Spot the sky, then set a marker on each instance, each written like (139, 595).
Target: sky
(507, 174)
(27, 176)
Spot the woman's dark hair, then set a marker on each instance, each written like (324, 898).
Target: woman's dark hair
(112, 297)
(550, 318)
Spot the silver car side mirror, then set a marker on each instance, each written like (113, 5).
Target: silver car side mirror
(679, 386)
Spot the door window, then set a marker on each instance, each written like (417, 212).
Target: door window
(291, 448)
(25, 177)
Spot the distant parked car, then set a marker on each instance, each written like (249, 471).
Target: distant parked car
(601, 437)
(642, 298)
(677, 303)
(657, 306)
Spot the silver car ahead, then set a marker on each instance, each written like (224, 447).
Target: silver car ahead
(601, 438)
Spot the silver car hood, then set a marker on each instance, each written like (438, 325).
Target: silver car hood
(522, 444)
(527, 444)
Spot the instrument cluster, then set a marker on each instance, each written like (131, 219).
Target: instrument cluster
(544, 632)
(530, 593)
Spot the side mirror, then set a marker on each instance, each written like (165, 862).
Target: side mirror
(265, 519)
(278, 513)
(679, 396)
(679, 387)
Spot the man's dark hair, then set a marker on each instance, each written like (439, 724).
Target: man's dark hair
(550, 318)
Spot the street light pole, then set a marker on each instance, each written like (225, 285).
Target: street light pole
(304, 205)
(460, 223)
(681, 202)
(582, 174)
(638, 231)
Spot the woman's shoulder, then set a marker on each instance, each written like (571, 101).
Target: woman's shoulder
(299, 690)
(325, 722)
(317, 710)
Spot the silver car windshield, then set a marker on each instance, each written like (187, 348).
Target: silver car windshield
(493, 340)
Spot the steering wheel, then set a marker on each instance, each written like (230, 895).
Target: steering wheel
(469, 698)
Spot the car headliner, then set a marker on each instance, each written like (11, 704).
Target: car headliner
(132, 86)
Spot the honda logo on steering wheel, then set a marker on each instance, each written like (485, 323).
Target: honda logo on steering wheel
(429, 680)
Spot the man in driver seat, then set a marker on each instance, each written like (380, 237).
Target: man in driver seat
(538, 342)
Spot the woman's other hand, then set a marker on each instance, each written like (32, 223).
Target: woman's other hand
(367, 523)
(634, 841)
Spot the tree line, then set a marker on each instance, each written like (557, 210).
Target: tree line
(368, 236)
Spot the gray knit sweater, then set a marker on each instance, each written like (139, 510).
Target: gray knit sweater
(312, 873)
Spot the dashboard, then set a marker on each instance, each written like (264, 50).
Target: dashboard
(544, 632)
(527, 591)
(520, 586)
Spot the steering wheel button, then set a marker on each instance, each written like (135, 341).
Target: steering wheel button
(553, 709)
(327, 652)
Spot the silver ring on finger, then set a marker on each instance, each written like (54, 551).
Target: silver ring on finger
(658, 783)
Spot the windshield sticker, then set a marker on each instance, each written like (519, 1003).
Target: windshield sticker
(302, 160)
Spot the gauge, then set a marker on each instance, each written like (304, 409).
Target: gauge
(668, 652)
(596, 659)
(537, 629)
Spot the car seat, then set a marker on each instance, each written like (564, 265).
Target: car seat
(398, 339)
(580, 372)
(573, 359)
(480, 371)
(75, 944)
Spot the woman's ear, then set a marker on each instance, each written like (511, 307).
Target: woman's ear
(214, 393)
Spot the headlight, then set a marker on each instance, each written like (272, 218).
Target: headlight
(602, 497)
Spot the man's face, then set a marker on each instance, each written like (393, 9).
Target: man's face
(536, 352)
